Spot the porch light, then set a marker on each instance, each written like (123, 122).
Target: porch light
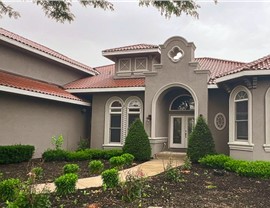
(149, 118)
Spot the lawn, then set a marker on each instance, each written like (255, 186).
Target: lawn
(202, 187)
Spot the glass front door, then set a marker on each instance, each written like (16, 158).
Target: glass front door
(180, 128)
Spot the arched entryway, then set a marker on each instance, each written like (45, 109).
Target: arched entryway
(174, 109)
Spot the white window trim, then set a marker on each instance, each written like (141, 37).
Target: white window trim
(266, 145)
(233, 143)
(119, 65)
(107, 122)
(146, 63)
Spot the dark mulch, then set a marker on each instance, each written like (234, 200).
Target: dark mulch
(201, 188)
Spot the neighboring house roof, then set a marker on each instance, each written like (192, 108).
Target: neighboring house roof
(28, 45)
(26, 86)
(106, 80)
(217, 66)
(132, 47)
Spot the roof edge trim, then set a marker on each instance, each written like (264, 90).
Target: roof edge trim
(152, 50)
(113, 89)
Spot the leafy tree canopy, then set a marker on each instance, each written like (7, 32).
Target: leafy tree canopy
(61, 10)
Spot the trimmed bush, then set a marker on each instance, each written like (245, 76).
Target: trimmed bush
(78, 156)
(215, 161)
(112, 153)
(137, 142)
(9, 189)
(110, 178)
(200, 142)
(256, 169)
(16, 153)
(117, 162)
(128, 158)
(71, 168)
(66, 184)
(55, 155)
(96, 166)
(232, 165)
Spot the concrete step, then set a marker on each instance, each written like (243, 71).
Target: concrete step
(167, 155)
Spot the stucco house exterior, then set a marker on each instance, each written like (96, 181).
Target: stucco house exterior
(43, 93)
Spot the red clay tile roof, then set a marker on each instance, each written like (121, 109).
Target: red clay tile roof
(44, 49)
(105, 80)
(259, 64)
(217, 66)
(132, 47)
(31, 85)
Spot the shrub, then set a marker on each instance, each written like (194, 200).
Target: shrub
(83, 144)
(187, 164)
(256, 169)
(96, 153)
(200, 142)
(215, 161)
(38, 171)
(16, 153)
(58, 142)
(96, 166)
(173, 174)
(66, 184)
(78, 156)
(54, 155)
(128, 158)
(117, 162)
(71, 168)
(110, 178)
(9, 189)
(232, 165)
(137, 142)
(112, 153)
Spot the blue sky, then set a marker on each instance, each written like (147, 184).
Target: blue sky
(235, 30)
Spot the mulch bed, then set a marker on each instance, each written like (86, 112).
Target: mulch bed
(202, 187)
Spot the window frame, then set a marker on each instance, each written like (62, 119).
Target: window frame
(266, 144)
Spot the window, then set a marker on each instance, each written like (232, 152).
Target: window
(133, 111)
(240, 125)
(266, 145)
(124, 64)
(182, 103)
(115, 122)
(141, 64)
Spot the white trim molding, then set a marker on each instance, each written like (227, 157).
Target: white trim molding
(266, 145)
(44, 96)
(109, 89)
(219, 117)
(153, 50)
(234, 144)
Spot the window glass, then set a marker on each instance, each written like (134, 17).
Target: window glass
(241, 117)
(183, 103)
(132, 118)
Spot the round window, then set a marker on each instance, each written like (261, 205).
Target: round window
(220, 121)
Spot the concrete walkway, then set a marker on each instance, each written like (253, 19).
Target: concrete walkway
(150, 168)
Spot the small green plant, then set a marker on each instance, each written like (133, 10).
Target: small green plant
(96, 166)
(9, 188)
(210, 187)
(58, 142)
(54, 155)
(117, 162)
(71, 168)
(129, 158)
(173, 174)
(38, 171)
(83, 144)
(66, 184)
(132, 188)
(214, 161)
(110, 178)
(187, 164)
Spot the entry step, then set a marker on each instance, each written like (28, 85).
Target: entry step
(170, 155)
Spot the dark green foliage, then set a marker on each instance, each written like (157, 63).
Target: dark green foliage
(78, 156)
(96, 166)
(55, 155)
(16, 153)
(128, 158)
(83, 144)
(232, 165)
(256, 169)
(9, 189)
(71, 168)
(137, 142)
(110, 178)
(215, 161)
(112, 153)
(200, 142)
(117, 162)
(66, 184)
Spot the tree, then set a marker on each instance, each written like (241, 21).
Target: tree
(200, 141)
(61, 10)
(137, 142)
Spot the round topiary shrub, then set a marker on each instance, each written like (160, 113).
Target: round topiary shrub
(137, 142)
(200, 141)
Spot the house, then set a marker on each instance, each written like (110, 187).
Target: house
(43, 93)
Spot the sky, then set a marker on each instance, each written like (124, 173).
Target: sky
(234, 30)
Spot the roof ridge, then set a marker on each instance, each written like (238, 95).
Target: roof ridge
(220, 59)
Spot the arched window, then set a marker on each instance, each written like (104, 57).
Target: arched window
(266, 145)
(182, 103)
(134, 111)
(240, 119)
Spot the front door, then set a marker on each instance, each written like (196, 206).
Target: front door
(180, 128)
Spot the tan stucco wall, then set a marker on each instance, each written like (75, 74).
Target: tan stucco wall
(24, 63)
(28, 120)
(218, 102)
(98, 114)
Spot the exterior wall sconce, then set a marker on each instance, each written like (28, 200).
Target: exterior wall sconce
(149, 118)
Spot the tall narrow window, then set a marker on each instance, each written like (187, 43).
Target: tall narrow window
(134, 111)
(115, 122)
(241, 116)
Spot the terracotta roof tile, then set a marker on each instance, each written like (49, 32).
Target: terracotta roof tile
(259, 64)
(105, 80)
(132, 47)
(44, 49)
(217, 66)
(31, 85)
